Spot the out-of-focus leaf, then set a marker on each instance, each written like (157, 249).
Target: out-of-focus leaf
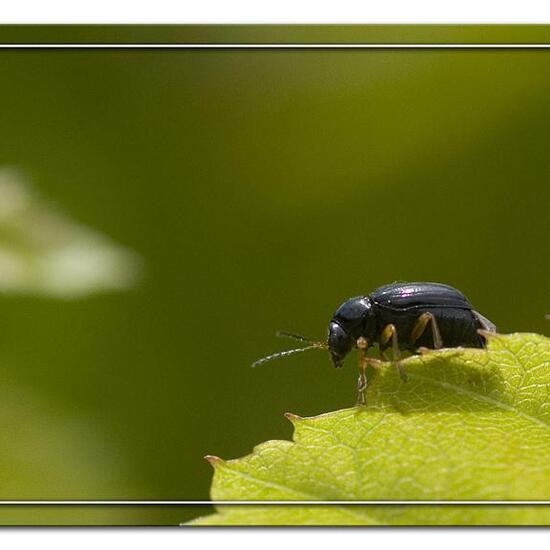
(469, 425)
(44, 252)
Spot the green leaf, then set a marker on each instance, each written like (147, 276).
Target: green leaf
(468, 425)
(44, 252)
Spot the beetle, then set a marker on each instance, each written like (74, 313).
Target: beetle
(403, 316)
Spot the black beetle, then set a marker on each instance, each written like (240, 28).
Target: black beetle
(397, 316)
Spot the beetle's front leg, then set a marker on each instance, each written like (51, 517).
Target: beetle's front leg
(390, 332)
(362, 346)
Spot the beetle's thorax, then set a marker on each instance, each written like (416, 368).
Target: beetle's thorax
(357, 317)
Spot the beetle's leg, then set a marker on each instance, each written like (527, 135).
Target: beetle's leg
(362, 345)
(420, 326)
(391, 332)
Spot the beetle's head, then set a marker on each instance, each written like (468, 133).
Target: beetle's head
(340, 343)
(352, 320)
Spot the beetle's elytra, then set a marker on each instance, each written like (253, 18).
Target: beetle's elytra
(403, 316)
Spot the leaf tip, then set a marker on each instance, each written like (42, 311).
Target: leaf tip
(293, 417)
(214, 460)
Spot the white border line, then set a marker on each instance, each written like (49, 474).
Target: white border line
(267, 46)
(226, 46)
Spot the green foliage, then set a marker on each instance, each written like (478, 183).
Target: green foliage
(45, 253)
(469, 425)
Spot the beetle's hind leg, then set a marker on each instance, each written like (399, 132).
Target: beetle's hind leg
(420, 326)
(390, 332)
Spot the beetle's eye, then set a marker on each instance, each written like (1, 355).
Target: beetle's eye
(340, 343)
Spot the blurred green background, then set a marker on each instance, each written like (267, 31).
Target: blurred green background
(260, 189)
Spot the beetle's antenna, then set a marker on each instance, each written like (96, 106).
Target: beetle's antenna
(299, 337)
(287, 352)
